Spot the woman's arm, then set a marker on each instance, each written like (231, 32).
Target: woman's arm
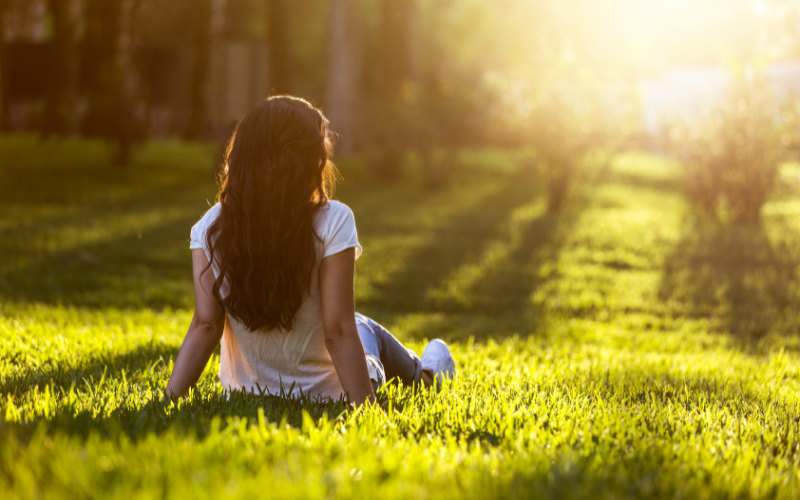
(339, 322)
(204, 333)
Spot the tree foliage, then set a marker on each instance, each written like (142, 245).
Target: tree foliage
(569, 119)
(732, 150)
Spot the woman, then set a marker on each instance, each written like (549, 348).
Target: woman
(280, 296)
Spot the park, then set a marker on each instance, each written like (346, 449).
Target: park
(620, 293)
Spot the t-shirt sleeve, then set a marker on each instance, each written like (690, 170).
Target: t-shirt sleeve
(197, 236)
(341, 231)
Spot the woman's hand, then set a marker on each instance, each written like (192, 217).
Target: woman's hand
(205, 330)
(339, 322)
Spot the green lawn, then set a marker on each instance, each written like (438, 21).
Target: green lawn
(625, 348)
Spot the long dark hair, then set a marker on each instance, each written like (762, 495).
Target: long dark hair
(276, 176)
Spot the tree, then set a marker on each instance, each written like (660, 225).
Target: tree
(392, 73)
(63, 94)
(395, 57)
(101, 62)
(732, 152)
(279, 47)
(571, 118)
(3, 9)
(108, 75)
(343, 71)
(200, 121)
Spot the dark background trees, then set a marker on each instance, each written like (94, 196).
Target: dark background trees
(107, 73)
(3, 8)
(200, 120)
(279, 46)
(62, 100)
(343, 89)
(394, 76)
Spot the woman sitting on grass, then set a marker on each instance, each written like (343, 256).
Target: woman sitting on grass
(280, 296)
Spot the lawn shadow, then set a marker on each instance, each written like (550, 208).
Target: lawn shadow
(128, 269)
(452, 242)
(126, 253)
(667, 390)
(77, 231)
(60, 375)
(736, 277)
(494, 294)
(510, 271)
(195, 415)
(133, 382)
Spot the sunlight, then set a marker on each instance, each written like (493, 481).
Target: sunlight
(580, 223)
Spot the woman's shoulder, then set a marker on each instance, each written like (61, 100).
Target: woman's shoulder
(210, 216)
(334, 213)
(336, 227)
(334, 207)
(201, 227)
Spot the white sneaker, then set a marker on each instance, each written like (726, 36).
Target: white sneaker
(438, 359)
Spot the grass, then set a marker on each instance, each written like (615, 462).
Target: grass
(625, 348)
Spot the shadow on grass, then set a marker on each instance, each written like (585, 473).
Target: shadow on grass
(666, 390)
(138, 363)
(77, 231)
(133, 383)
(451, 243)
(510, 272)
(128, 269)
(734, 276)
(490, 295)
(125, 252)
(193, 415)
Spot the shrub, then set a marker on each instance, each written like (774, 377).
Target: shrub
(732, 151)
(570, 118)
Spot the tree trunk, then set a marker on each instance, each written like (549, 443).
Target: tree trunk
(3, 8)
(343, 72)
(63, 94)
(398, 23)
(200, 122)
(109, 81)
(279, 47)
(101, 60)
(391, 65)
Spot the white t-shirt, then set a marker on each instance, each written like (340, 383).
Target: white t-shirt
(275, 358)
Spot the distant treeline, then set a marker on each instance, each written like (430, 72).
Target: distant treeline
(127, 69)
(408, 79)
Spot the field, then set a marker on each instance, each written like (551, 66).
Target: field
(624, 348)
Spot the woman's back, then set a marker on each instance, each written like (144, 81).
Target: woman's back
(275, 358)
(280, 298)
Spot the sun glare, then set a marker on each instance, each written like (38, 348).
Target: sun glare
(639, 37)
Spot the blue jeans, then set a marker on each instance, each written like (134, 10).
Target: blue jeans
(387, 358)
